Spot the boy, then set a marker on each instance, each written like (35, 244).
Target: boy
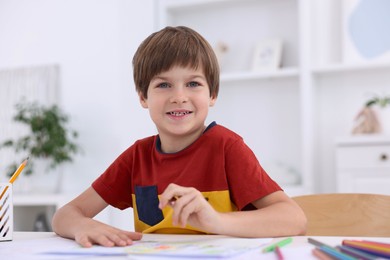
(189, 178)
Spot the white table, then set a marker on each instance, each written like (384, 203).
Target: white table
(24, 244)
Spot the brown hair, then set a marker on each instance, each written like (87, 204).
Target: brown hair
(173, 46)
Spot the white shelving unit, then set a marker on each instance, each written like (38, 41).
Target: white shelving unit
(363, 164)
(245, 76)
(289, 117)
(254, 104)
(341, 86)
(27, 208)
(351, 68)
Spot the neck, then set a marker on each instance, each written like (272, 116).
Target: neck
(176, 143)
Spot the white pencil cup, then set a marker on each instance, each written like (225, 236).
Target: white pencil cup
(6, 212)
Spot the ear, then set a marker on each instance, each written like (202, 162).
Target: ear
(142, 100)
(212, 101)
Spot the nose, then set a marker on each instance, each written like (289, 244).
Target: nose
(179, 95)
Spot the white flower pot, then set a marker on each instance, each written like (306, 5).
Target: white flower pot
(384, 119)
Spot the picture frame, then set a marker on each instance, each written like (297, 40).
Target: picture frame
(267, 55)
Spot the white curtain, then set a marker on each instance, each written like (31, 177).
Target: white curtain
(38, 83)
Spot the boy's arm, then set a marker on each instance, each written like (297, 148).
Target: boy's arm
(276, 214)
(74, 220)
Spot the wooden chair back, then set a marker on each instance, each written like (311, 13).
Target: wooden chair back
(346, 214)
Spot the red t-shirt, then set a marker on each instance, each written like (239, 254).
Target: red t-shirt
(219, 164)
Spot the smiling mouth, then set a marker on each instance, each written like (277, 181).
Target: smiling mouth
(183, 113)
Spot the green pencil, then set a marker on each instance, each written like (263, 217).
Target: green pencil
(277, 244)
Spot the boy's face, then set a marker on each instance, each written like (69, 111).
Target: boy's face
(178, 101)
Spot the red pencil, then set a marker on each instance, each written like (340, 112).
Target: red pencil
(278, 252)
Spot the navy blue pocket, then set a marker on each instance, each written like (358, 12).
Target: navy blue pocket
(147, 201)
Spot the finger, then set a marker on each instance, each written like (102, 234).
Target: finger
(178, 207)
(83, 241)
(127, 238)
(86, 241)
(104, 241)
(120, 239)
(187, 210)
(169, 194)
(133, 235)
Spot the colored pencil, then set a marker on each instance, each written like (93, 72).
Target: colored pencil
(369, 248)
(18, 171)
(321, 255)
(278, 244)
(356, 253)
(375, 243)
(15, 175)
(315, 242)
(278, 252)
(367, 245)
(329, 250)
(336, 253)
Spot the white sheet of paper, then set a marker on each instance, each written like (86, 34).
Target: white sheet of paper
(152, 246)
(192, 246)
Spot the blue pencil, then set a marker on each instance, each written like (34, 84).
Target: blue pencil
(356, 253)
(335, 253)
(329, 250)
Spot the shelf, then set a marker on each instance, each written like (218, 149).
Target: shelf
(175, 5)
(282, 23)
(367, 139)
(356, 67)
(244, 76)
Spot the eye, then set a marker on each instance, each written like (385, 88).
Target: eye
(193, 84)
(163, 85)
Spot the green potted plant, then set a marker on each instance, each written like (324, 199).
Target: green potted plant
(48, 138)
(380, 101)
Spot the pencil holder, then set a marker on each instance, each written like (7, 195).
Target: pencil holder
(6, 212)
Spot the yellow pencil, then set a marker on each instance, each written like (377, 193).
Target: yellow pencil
(15, 175)
(18, 171)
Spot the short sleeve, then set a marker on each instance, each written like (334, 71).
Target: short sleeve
(114, 185)
(248, 181)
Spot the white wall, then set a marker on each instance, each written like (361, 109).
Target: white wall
(93, 41)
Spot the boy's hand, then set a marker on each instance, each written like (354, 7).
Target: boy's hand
(95, 232)
(189, 206)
